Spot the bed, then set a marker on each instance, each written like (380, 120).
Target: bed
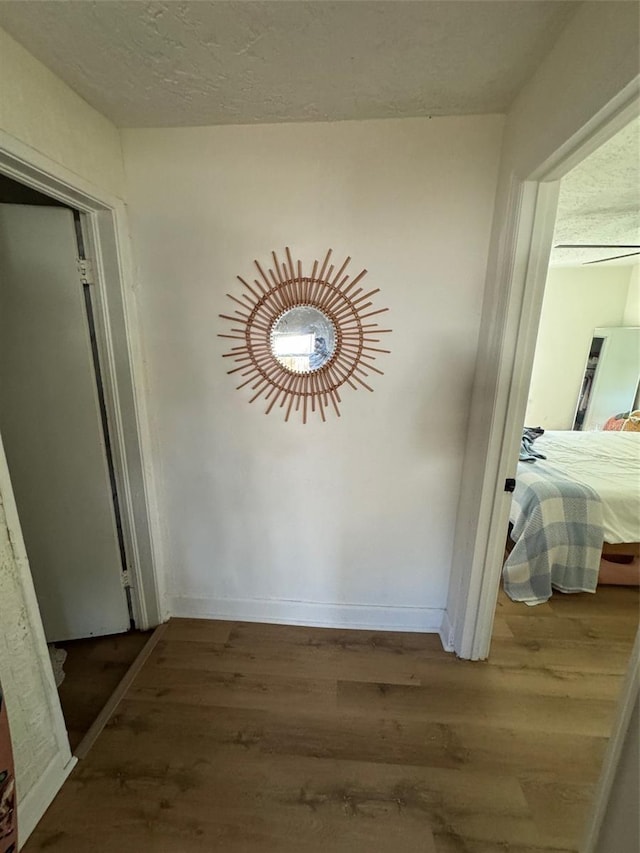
(565, 508)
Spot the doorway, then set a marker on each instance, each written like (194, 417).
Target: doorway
(576, 485)
(53, 422)
(518, 261)
(60, 451)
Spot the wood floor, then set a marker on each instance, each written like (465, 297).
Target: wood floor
(247, 738)
(93, 669)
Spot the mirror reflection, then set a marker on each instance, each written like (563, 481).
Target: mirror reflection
(303, 339)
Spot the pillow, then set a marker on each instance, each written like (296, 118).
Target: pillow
(632, 423)
(614, 423)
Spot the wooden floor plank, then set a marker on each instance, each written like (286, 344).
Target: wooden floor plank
(273, 659)
(506, 709)
(449, 842)
(196, 731)
(252, 634)
(272, 803)
(234, 690)
(560, 809)
(624, 601)
(609, 628)
(93, 669)
(246, 738)
(611, 657)
(522, 627)
(199, 630)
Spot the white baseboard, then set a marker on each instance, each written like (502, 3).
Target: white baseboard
(37, 801)
(369, 617)
(446, 632)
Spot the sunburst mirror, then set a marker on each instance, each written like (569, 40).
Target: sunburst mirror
(301, 337)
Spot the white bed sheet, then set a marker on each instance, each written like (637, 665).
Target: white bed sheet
(608, 462)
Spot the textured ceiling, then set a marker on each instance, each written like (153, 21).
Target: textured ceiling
(161, 64)
(165, 64)
(600, 201)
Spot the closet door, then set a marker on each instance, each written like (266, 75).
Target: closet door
(51, 427)
(616, 377)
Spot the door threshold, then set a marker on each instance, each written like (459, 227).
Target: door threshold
(116, 697)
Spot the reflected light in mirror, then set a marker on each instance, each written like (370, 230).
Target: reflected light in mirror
(303, 339)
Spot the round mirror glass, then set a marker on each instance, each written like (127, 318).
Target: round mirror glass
(303, 339)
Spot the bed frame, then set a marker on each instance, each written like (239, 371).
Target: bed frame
(620, 564)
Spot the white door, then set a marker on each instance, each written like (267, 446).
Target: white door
(51, 427)
(616, 378)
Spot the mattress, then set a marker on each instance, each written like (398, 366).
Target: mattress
(608, 463)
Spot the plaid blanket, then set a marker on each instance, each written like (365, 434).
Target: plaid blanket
(558, 535)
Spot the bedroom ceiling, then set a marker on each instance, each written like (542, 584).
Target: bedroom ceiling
(600, 202)
(163, 64)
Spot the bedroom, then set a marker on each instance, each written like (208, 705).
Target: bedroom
(581, 416)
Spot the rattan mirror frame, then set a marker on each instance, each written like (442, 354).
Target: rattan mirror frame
(282, 287)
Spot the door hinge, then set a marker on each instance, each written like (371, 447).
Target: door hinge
(128, 591)
(510, 484)
(126, 579)
(85, 270)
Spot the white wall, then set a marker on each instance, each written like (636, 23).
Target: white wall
(38, 110)
(348, 522)
(576, 301)
(40, 118)
(632, 308)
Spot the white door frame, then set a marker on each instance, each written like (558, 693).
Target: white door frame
(105, 230)
(522, 268)
(602, 801)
